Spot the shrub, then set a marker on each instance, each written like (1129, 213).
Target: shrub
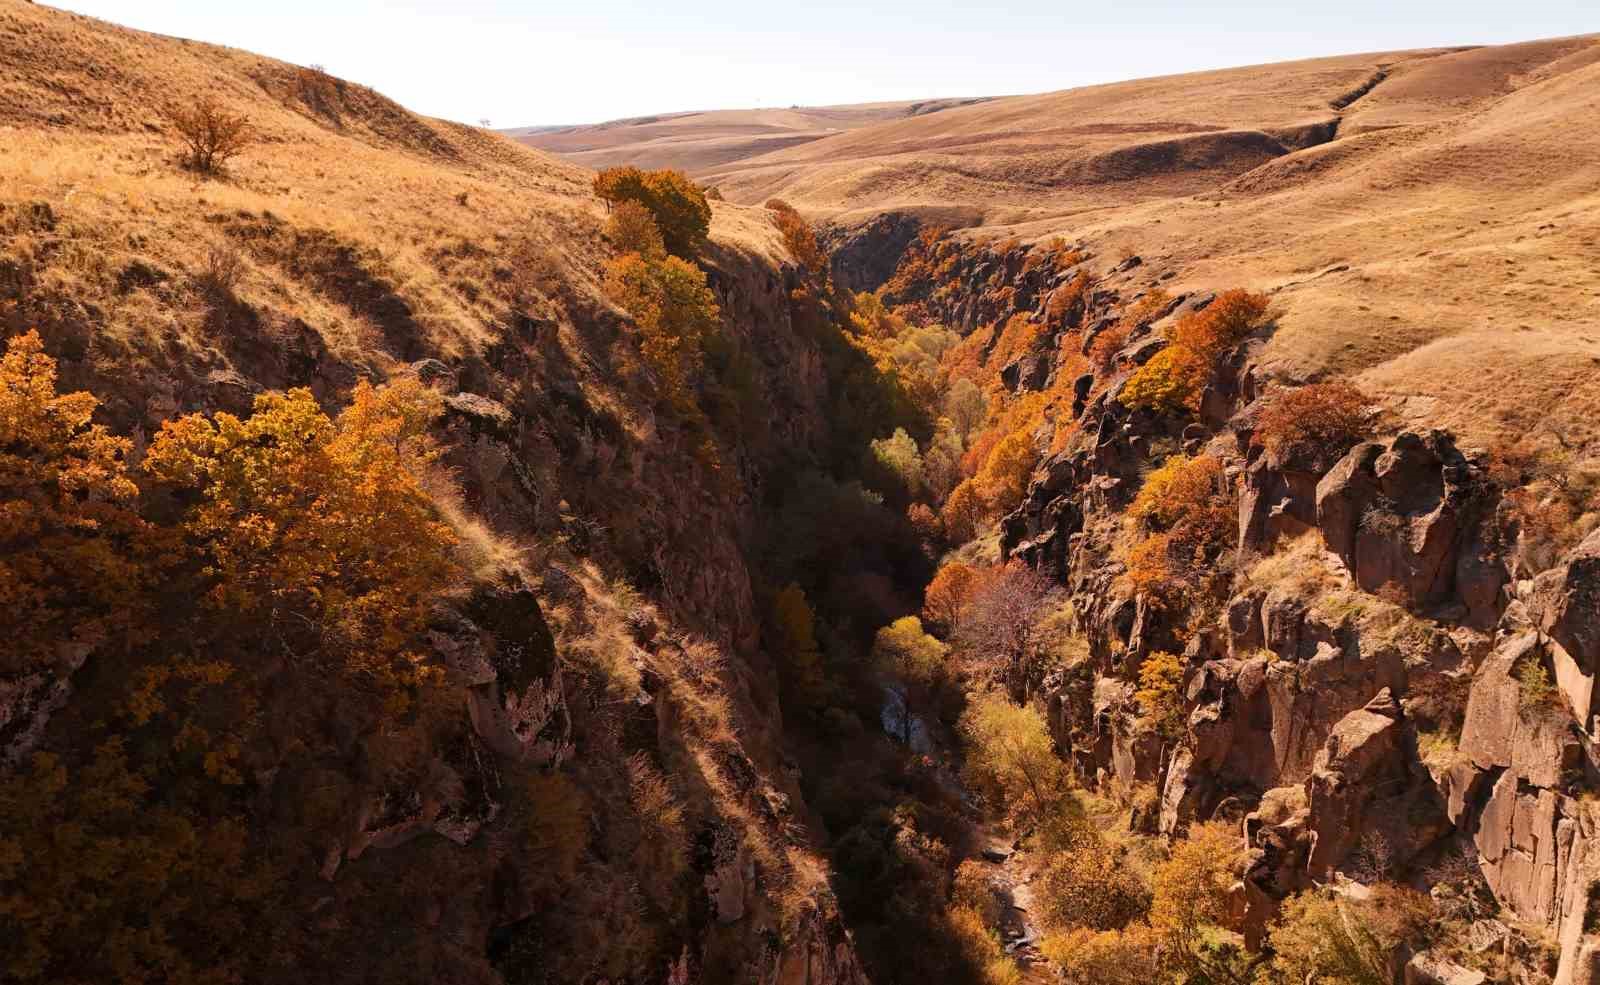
(980, 948)
(1126, 957)
(1090, 886)
(1170, 382)
(1190, 504)
(1174, 378)
(679, 206)
(1326, 419)
(631, 228)
(1103, 350)
(1193, 888)
(1324, 937)
(555, 819)
(974, 889)
(1536, 691)
(211, 135)
(1220, 325)
(1160, 677)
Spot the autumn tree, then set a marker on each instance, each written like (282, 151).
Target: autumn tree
(1007, 471)
(948, 594)
(1089, 885)
(794, 623)
(898, 459)
(964, 509)
(1187, 511)
(211, 135)
(631, 228)
(915, 662)
(798, 237)
(675, 312)
(997, 628)
(681, 211)
(316, 533)
(1192, 890)
(104, 878)
(71, 578)
(1323, 936)
(1174, 378)
(1011, 759)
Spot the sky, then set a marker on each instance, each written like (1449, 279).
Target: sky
(543, 62)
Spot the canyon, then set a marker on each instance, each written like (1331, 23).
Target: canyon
(1255, 409)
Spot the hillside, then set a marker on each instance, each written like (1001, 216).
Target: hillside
(434, 836)
(1420, 216)
(1145, 535)
(700, 142)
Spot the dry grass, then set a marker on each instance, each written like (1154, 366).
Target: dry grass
(1437, 249)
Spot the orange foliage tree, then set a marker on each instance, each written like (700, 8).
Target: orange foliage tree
(1175, 377)
(1188, 507)
(316, 532)
(798, 236)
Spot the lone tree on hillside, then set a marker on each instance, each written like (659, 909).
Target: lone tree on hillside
(211, 135)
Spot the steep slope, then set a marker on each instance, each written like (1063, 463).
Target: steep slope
(699, 142)
(590, 660)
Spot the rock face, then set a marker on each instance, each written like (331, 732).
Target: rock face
(1566, 605)
(1404, 518)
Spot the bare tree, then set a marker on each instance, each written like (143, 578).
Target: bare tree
(997, 629)
(211, 135)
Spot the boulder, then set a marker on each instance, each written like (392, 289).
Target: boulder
(1404, 514)
(1369, 790)
(1427, 968)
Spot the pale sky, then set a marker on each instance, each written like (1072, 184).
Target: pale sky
(582, 61)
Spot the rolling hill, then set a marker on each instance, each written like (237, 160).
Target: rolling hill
(698, 142)
(1422, 217)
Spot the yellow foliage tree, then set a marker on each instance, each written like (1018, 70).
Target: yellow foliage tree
(102, 881)
(1190, 905)
(1006, 473)
(632, 228)
(317, 531)
(795, 624)
(679, 206)
(675, 312)
(70, 540)
(1011, 758)
(914, 660)
(1160, 676)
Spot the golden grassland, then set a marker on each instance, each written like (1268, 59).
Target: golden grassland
(1439, 248)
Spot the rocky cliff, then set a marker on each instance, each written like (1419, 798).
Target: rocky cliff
(1365, 696)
